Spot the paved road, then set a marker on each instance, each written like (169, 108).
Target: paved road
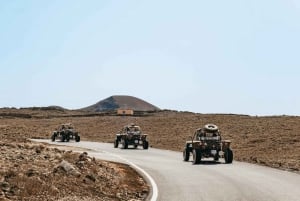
(181, 181)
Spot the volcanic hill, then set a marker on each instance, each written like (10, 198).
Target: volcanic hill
(121, 102)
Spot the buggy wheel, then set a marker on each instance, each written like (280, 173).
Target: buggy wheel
(196, 156)
(77, 138)
(135, 146)
(216, 157)
(116, 143)
(186, 154)
(124, 144)
(63, 138)
(211, 127)
(53, 138)
(67, 138)
(228, 156)
(145, 144)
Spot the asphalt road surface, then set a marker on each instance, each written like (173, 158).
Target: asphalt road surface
(175, 180)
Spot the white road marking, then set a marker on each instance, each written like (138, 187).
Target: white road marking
(152, 182)
(237, 181)
(150, 179)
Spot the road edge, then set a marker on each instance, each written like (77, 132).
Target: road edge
(153, 195)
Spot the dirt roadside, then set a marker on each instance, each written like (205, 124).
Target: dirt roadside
(272, 141)
(36, 172)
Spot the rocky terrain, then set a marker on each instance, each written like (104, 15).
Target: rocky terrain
(272, 141)
(36, 172)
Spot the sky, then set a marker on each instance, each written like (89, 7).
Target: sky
(234, 56)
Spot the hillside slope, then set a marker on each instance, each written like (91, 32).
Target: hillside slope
(122, 102)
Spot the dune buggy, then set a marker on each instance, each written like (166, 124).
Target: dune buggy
(207, 142)
(131, 135)
(65, 132)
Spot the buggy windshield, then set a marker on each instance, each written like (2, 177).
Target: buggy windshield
(134, 129)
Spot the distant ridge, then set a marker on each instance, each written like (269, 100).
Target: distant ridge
(121, 102)
(52, 107)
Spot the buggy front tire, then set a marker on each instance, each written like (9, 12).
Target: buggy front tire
(216, 157)
(146, 145)
(196, 156)
(116, 143)
(124, 144)
(186, 154)
(77, 138)
(53, 138)
(63, 138)
(228, 156)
